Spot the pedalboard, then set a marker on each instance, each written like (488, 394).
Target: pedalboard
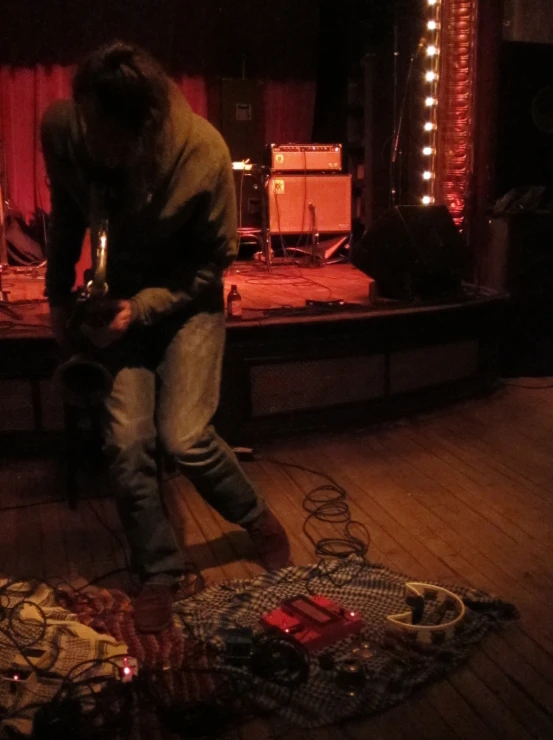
(315, 622)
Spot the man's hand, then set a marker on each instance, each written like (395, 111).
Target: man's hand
(109, 321)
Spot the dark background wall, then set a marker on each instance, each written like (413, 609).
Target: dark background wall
(194, 37)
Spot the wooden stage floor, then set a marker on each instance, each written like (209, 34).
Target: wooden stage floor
(285, 285)
(460, 496)
(267, 295)
(288, 285)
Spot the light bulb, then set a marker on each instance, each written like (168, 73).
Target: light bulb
(426, 200)
(431, 51)
(432, 2)
(427, 175)
(428, 126)
(430, 76)
(432, 25)
(427, 151)
(429, 102)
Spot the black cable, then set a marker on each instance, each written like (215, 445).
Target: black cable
(529, 387)
(328, 504)
(116, 537)
(397, 131)
(240, 196)
(48, 502)
(304, 205)
(277, 207)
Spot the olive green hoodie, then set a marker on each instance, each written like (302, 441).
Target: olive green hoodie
(171, 253)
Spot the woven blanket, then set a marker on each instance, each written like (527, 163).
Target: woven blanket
(394, 670)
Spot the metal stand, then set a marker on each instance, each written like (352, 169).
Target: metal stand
(315, 260)
(315, 256)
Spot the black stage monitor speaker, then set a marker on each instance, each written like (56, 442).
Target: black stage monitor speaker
(413, 252)
(236, 108)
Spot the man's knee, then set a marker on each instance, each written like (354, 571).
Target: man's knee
(188, 449)
(129, 440)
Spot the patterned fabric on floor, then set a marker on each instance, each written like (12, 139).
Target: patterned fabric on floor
(188, 673)
(395, 668)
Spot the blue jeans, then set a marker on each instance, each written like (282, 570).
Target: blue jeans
(166, 384)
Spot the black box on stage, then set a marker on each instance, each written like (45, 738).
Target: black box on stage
(413, 252)
(248, 186)
(292, 198)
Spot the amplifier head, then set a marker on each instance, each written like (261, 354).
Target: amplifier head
(305, 157)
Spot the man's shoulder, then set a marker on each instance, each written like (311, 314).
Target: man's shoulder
(59, 115)
(208, 139)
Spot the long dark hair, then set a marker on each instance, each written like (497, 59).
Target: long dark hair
(130, 86)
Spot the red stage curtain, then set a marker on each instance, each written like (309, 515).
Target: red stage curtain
(26, 92)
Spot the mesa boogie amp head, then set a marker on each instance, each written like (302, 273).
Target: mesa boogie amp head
(305, 157)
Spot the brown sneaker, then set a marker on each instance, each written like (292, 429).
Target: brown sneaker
(153, 608)
(270, 541)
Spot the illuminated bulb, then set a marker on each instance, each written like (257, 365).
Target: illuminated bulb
(432, 2)
(426, 200)
(15, 677)
(430, 76)
(352, 614)
(431, 51)
(428, 126)
(287, 630)
(427, 175)
(432, 25)
(427, 151)
(127, 671)
(429, 102)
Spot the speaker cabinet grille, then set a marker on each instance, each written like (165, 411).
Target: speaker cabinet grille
(290, 197)
(314, 384)
(423, 367)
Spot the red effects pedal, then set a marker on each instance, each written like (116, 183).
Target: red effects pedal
(315, 622)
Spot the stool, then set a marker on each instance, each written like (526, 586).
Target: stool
(82, 431)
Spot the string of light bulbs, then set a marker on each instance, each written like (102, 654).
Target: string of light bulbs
(431, 78)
